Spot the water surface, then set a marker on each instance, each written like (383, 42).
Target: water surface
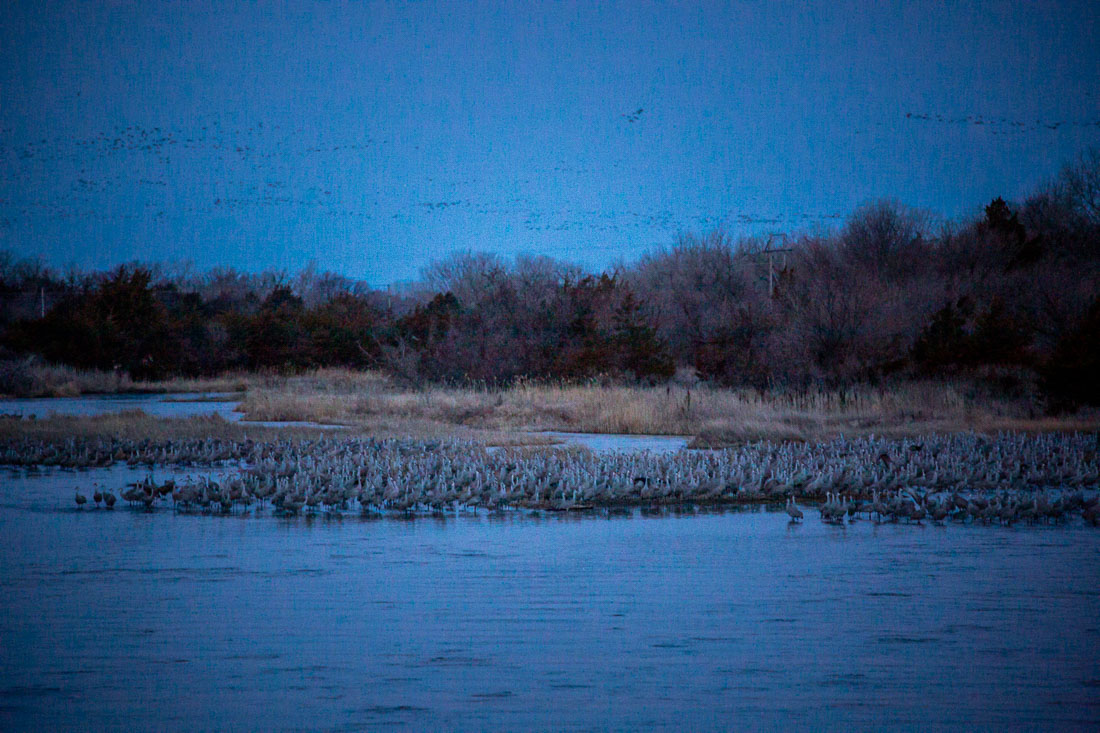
(689, 620)
(176, 405)
(184, 404)
(619, 443)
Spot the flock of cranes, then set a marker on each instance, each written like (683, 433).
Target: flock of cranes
(1003, 479)
(1002, 125)
(151, 173)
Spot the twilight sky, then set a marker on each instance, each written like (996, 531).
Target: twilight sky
(374, 138)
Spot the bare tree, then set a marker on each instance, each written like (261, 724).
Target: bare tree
(1080, 183)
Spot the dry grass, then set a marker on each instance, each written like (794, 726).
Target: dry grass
(369, 402)
(714, 416)
(133, 424)
(138, 425)
(30, 377)
(223, 383)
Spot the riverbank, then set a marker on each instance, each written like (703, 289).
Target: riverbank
(137, 425)
(29, 377)
(369, 402)
(712, 416)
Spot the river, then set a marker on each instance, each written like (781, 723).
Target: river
(689, 620)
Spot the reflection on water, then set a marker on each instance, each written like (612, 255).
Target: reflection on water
(157, 405)
(184, 404)
(627, 620)
(607, 443)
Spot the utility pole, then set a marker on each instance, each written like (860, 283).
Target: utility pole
(769, 250)
(42, 301)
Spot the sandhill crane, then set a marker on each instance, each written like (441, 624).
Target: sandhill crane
(952, 477)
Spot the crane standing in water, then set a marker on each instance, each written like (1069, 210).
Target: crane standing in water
(963, 478)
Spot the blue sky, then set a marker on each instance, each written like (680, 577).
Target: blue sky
(373, 138)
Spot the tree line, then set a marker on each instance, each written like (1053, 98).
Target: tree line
(1012, 295)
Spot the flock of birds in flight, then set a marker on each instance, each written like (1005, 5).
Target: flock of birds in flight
(214, 170)
(1002, 125)
(150, 173)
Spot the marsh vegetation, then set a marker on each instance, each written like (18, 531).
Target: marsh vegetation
(372, 402)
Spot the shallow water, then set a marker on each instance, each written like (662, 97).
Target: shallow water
(616, 443)
(157, 405)
(183, 404)
(704, 620)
